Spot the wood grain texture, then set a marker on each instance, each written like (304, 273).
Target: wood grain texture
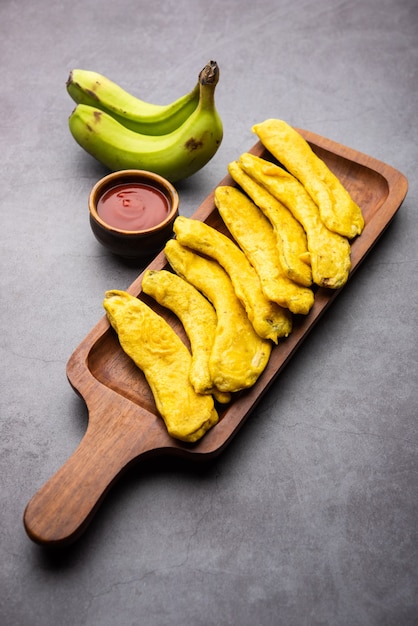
(123, 421)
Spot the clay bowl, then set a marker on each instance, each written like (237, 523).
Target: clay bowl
(159, 202)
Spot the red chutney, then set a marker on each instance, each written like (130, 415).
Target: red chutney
(133, 206)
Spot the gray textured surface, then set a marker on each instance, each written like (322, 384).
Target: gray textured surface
(310, 516)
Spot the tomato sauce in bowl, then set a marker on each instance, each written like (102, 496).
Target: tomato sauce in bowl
(133, 206)
(132, 212)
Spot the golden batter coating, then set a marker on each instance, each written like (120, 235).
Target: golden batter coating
(254, 234)
(165, 361)
(338, 210)
(198, 318)
(269, 320)
(329, 252)
(291, 238)
(238, 355)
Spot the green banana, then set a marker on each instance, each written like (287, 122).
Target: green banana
(175, 156)
(87, 87)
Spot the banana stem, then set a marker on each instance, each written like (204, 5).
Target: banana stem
(210, 74)
(208, 79)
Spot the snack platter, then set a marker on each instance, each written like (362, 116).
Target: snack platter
(124, 425)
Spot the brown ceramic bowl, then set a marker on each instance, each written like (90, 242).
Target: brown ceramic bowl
(143, 242)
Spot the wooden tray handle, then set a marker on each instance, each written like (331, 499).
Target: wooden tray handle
(116, 435)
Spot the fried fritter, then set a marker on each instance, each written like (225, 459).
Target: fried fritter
(165, 361)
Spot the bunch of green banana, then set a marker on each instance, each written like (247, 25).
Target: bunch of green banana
(192, 133)
(93, 89)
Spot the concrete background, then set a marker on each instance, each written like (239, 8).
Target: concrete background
(309, 517)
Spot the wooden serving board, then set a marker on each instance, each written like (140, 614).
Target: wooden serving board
(123, 421)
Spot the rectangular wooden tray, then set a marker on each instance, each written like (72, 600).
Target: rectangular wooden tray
(123, 421)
